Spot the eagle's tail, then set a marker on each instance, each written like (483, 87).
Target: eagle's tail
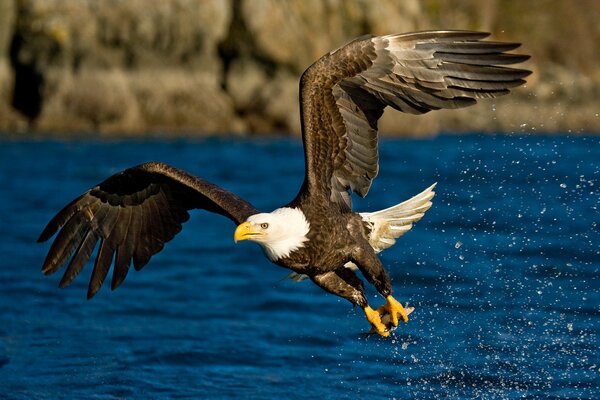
(389, 224)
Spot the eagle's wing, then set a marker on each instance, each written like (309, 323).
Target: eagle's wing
(344, 93)
(133, 214)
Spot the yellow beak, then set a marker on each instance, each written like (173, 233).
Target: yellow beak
(245, 231)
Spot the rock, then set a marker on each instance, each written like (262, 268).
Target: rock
(245, 81)
(127, 66)
(8, 119)
(297, 32)
(281, 103)
(93, 100)
(267, 103)
(233, 66)
(179, 100)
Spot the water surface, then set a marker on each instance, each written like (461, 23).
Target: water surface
(503, 271)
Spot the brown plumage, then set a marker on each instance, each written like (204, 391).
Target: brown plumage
(133, 214)
(342, 96)
(344, 93)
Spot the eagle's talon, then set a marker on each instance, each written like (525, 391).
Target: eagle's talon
(375, 319)
(393, 308)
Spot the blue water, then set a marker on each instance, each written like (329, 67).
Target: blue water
(503, 271)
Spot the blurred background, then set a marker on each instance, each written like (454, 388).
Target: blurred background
(195, 68)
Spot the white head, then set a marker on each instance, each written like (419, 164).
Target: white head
(279, 232)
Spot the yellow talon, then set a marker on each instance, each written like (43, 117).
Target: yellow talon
(394, 308)
(375, 319)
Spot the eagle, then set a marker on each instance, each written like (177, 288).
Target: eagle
(317, 235)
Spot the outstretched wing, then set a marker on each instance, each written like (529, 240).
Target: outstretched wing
(133, 214)
(344, 93)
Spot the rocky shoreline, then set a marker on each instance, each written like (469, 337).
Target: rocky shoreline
(177, 67)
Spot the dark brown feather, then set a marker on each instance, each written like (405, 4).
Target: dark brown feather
(101, 266)
(79, 259)
(133, 214)
(343, 95)
(64, 215)
(141, 252)
(69, 238)
(122, 255)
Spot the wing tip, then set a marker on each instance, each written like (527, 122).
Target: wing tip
(47, 270)
(63, 283)
(51, 264)
(118, 278)
(91, 292)
(441, 34)
(47, 233)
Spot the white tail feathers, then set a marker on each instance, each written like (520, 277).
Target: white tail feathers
(389, 224)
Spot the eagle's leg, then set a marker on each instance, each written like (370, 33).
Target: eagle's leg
(395, 309)
(374, 317)
(371, 267)
(343, 282)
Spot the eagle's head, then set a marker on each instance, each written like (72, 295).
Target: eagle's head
(279, 232)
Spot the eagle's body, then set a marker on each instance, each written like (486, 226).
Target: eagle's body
(317, 234)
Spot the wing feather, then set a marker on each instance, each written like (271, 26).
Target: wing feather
(101, 266)
(65, 215)
(79, 259)
(344, 93)
(124, 249)
(142, 249)
(67, 241)
(133, 214)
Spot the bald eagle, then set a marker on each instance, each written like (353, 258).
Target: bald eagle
(342, 95)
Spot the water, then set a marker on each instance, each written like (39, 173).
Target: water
(503, 272)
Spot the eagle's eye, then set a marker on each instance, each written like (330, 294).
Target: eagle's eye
(264, 225)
